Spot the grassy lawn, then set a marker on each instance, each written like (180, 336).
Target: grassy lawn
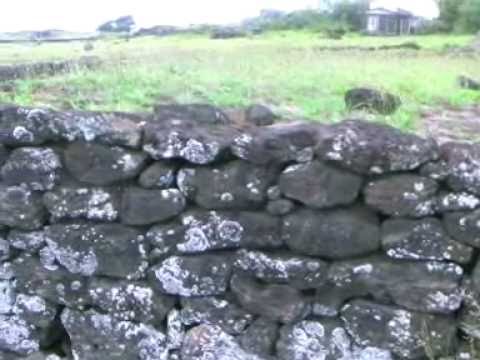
(283, 69)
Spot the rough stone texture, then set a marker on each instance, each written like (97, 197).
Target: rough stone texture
(325, 339)
(97, 336)
(319, 185)
(400, 331)
(199, 113)
(436, 286)
(33, 167)
(207, 342)
(185, 140)
(21, 208)
(67, 202)
(215, 311)
(129, 236)
(333, 234)
(424, 239)
(260, 337)
(227, 230)
(369, 148)
(143, 207)
(464, 227)
(402, 195)
(204, 275)
(274, 302)
(297, 271)
(106, 249)
(158, 175)
(101, 165)
(372, 100)
(236, 185)
(280, 143)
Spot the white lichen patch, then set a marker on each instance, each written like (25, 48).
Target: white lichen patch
(83, 262)
(17, 335)
(211, 232)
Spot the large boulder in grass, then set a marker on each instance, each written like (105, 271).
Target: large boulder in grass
(372, 100)
(122, 24)
(468, 83)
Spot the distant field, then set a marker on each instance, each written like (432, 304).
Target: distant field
(284, 69)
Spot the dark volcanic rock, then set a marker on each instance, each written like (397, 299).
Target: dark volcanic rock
(143, 207)
(280, 207)
(369, 148)
(319, 185)
(277, 144)
(199, 113)
(260, 115)
(50, 282)
(101, 165)
(468, 83)
(108, 128)
(400, 331)
(34, 167)
(431, 287)
(463, 163)
(96, 336)
(333, 234)
(67, 202)
(274, 302)
(158, 175)
(464, 227)
(260, 337)
(34, 126)
(186, 140)
(21, 208)
(208, 342)
(372, 100)
(330, 298)
(110, 250)
(325, 339)
(30, 241)
(130, 301)
(236, 185)
(402, 195)
(424, 239)
(215, 311)
(26, 126)
(203, 231)
(190, 276)
(299, 272)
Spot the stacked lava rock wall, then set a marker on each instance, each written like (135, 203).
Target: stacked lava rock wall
(172, 239)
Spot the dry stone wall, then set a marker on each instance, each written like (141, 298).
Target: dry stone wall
(162, 238)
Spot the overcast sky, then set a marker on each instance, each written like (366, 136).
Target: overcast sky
(86, 15)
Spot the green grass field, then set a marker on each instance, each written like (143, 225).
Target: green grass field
(286, 70)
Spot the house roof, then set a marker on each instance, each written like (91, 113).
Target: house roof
(387, 12)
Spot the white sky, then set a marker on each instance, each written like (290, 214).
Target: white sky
(86, 15)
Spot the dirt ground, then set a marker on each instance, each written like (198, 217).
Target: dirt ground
(452, 124)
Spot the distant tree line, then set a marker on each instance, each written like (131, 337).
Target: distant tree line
(459, 15)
